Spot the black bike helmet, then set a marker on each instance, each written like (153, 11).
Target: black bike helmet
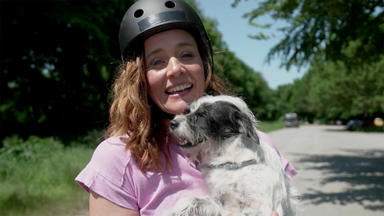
(148, 17)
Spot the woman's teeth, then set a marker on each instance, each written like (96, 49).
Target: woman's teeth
(179, 88)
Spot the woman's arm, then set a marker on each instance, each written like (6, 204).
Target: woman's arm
(99, 206)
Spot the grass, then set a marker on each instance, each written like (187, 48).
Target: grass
(37, 177)
(268, 126)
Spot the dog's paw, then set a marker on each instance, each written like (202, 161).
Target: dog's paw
(194, 206)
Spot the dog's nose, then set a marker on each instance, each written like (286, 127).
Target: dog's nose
(174, 124)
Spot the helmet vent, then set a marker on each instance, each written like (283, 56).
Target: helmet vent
(138, 13)
(170, 4)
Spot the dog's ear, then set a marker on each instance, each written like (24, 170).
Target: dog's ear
(254, 145)
(246, 126)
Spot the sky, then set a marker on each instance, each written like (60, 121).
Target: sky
(235, 30)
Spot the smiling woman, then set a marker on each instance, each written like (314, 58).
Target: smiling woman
(167, 63)
(139, 169)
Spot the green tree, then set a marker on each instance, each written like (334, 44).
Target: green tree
(245, 82)
(323, 29)
(57, 60)
(341, 93)
(241, 78)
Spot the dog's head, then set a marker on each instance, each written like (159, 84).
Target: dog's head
(213, 120)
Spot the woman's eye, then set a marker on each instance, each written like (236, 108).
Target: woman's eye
(187, 55)
(156, 62)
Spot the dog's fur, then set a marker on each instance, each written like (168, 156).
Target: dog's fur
(244, 175)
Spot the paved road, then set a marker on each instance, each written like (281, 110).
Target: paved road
(340, 172)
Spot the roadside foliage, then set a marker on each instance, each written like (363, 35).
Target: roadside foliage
(59, 59)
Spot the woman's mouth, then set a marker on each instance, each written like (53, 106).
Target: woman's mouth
(178, 89)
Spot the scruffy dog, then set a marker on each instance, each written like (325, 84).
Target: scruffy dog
(244, 175)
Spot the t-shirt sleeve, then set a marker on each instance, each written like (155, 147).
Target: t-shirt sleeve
(106, 175)
(289, 170)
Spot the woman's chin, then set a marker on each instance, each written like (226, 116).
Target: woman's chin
(176, 109)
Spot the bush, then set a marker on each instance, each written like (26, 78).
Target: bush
(38, 175)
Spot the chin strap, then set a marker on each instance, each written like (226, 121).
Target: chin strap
(230, 165)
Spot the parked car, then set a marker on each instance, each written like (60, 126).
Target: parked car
(291, 120)
(354, 124)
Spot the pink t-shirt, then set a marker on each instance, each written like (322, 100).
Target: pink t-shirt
(113, 174)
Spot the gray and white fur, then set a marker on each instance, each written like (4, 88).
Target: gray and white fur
(244, 175)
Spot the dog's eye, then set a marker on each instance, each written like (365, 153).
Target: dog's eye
(227, 130)
(187, 111)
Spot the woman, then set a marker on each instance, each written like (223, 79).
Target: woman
(167, 63)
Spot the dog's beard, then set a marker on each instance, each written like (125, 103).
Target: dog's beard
(192, 143)
(183, 132)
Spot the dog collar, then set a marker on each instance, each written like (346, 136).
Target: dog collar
(230, 165)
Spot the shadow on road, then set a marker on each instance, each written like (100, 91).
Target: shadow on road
(362, 171)
(344, 129)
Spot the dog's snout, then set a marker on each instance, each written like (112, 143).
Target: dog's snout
(174, 124)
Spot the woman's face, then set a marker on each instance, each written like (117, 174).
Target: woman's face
(174, 70)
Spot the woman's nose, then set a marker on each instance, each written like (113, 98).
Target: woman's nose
(174, 67)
